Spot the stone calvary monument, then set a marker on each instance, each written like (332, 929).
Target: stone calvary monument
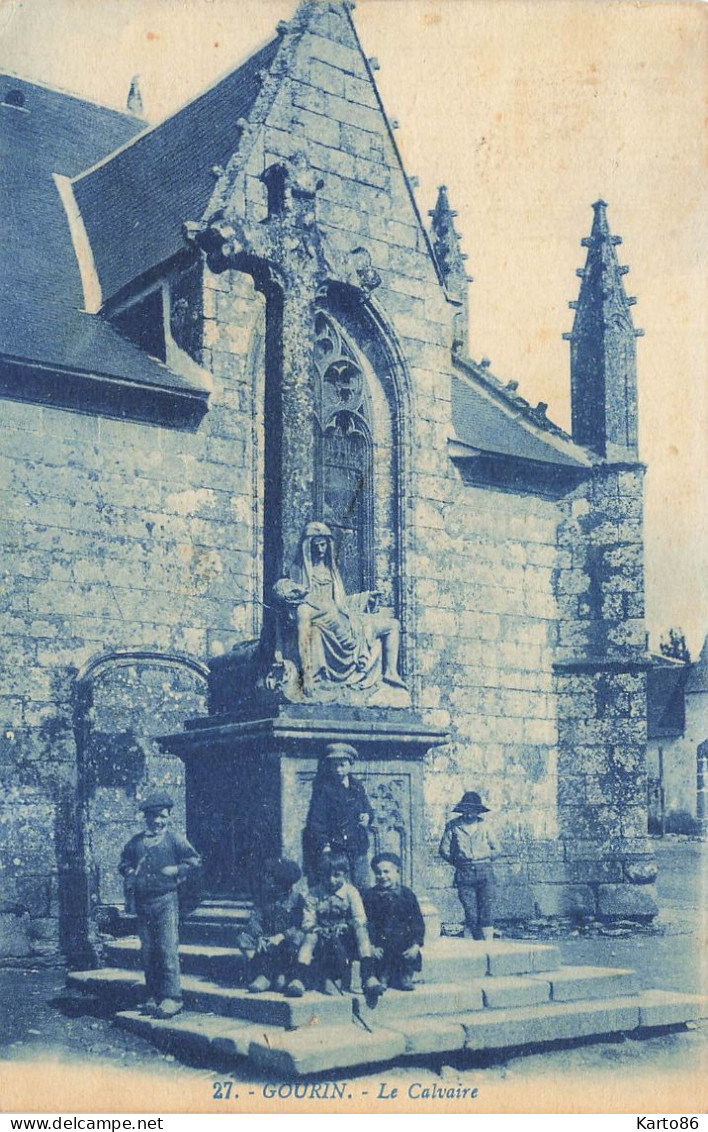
(327, 662)
(265, 498)
(343, 642)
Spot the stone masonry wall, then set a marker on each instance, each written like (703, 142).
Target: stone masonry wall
(601, 684)
(114, 536)
(477, 601)
(117, 535)
(484, 654)
(486, 574)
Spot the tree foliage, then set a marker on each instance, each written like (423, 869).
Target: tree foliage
(673, 644)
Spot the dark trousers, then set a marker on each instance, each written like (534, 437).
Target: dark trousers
(359, 871)
(392, 968)
(278, 960)
(333, 954)
(475, 888)
(158, 920)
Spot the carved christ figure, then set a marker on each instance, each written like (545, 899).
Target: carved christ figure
(345, 640)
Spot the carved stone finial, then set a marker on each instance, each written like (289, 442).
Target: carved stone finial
(304, 179)
(134, 101)
(446, 244)
(451, 263)
(603, 358)
(367, 276)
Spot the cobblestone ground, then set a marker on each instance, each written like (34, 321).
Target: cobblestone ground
(47, 1031)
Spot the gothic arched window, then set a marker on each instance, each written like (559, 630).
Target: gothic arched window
(343, 446)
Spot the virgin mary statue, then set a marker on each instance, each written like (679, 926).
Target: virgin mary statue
(341, 639)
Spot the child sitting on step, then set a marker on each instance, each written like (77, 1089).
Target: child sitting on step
(338, 935)
(467, 845)
(396, 925)
(276, 931)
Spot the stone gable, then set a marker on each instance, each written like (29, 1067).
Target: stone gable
(137, 552)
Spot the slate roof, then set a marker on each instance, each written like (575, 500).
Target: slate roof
(134, 188)
(134, 205)
(487, 418)
(41, 296)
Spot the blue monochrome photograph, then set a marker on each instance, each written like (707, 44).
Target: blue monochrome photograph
(354, 688)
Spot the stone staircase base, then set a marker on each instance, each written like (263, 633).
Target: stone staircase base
(473, 996)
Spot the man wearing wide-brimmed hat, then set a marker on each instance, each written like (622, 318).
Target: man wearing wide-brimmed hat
(467, 845)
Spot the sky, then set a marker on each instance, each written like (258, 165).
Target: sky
(528, 112)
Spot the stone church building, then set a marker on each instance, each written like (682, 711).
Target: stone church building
(230, 344)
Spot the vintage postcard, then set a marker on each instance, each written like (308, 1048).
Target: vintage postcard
(354, 698)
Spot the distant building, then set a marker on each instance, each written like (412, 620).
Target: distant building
(677, 750)
(213, 332)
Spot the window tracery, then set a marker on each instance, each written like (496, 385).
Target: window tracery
(343, 446)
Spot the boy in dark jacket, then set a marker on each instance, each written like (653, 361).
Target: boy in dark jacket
(276, 931)
(152, 864)
(396, 925)
(339, 817)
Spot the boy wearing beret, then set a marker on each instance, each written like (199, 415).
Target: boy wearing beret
(396, 925)
(152, 864)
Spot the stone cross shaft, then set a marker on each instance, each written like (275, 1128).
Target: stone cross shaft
(285, 255)
(288, 257)
(301, 281)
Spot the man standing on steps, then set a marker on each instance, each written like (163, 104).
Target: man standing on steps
(152, 864)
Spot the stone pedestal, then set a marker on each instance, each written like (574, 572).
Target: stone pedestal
(249, 781)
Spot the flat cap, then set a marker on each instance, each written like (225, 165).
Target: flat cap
(341, 751)
(159, 800)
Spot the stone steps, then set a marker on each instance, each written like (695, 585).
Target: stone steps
(472, 995)
(216, 923)
(216, 933)
(325, 1047)
(212, 960)
(499, 992)
(446, 960)
(221, 911)
(566, 984)
(569, 984)
(127, 987)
